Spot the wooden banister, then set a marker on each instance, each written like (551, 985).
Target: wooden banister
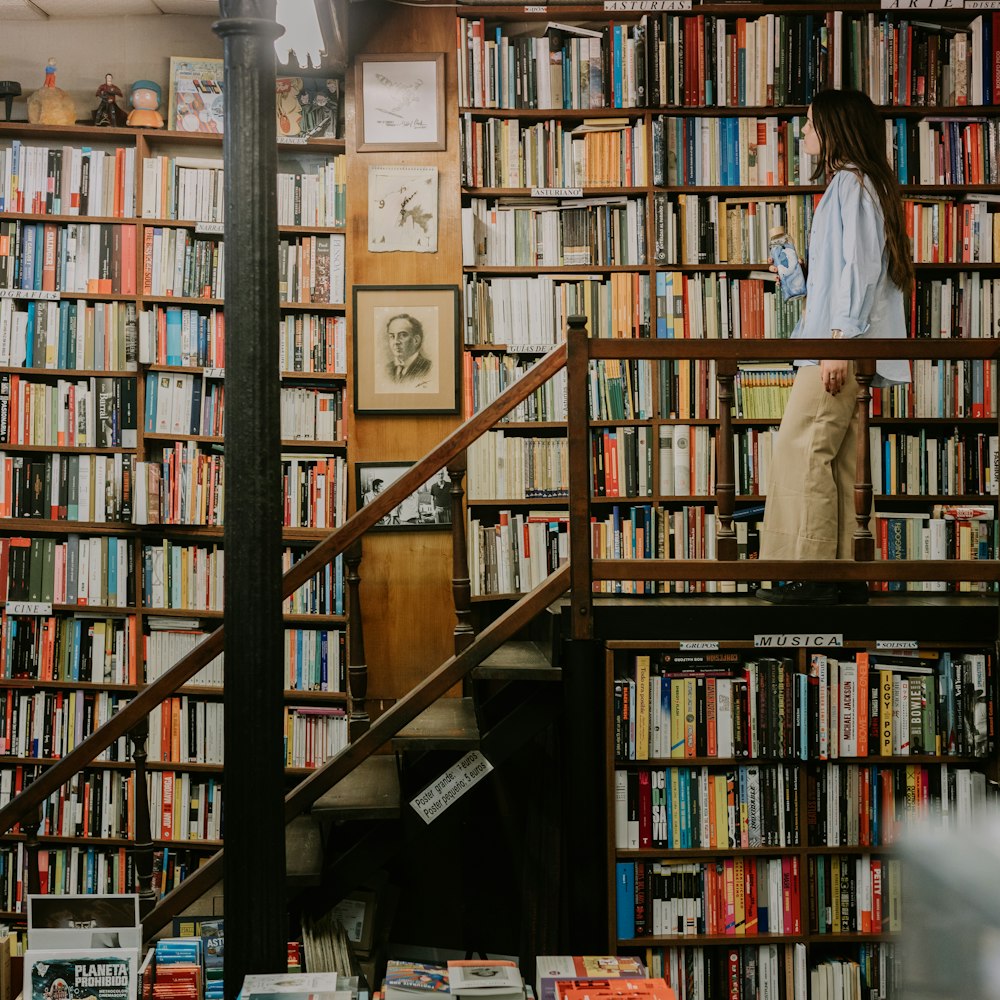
(357, 661)
(461, 585)
(864, 543)
(725, 478)
(382, 730)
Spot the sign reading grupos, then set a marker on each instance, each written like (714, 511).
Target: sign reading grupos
(451, 786)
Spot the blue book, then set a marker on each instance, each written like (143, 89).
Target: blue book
(625, 900)
(338, 584)
(29, 336)
(324, 660)
(75, 649)
(62, 344)
(152, 384)
(616, 70)
(174, 334)
(684, 805)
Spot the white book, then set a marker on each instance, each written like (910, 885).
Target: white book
(724, 717)
(621, 810)
(848, 709)
(682, 459)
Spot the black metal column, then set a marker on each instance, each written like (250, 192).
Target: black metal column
(254, 871)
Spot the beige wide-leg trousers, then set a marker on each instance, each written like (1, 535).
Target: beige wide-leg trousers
(810, 490)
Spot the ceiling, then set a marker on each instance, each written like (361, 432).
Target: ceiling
(40, 10)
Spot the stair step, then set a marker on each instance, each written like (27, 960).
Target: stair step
(370, 791)
(517, 661)
(448, 724)
(303, 851)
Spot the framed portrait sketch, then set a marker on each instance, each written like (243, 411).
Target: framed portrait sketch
(196, 101)
(406, 349)
(400, 101)
(427, 509)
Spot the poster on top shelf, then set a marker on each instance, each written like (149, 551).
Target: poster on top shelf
(196, 100)
(307, 107)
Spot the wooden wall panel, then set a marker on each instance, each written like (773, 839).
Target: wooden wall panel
(406, 577)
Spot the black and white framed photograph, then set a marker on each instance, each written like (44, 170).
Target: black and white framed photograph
(426, 509)
(406, 349)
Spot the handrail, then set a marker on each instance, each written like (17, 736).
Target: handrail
(382, 730)
(335, 543)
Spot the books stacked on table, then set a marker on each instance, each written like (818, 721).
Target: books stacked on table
(300, 986)
(411, 980)
(596, 977)
(178, 973)
(483, 979)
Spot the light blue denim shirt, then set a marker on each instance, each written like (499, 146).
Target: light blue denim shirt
(848, 287)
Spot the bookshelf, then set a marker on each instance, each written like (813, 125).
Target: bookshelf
(759, 796)
(629, 169)
(112, 395)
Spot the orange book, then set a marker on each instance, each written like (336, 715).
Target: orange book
(49, 242)
(862, 701)
(167, 806)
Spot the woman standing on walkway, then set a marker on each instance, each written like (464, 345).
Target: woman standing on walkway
(859, 277)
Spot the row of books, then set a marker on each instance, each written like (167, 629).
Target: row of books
(509, 153)
(745, 971)
(93, 258)
(183, 576)
(93, 803)
(718, 704)
(505, 466)
(934, 462)
(738, 896)
(621, 461)
(65, 871)
(752, 462)
(743, 151)
(312, 414)
(78, 571)
(603, 232)
(312, 269)
(699, 60)
(183, 729)
(190, 188)
(713, 229)
(182, 403)
(175, 335)
(191, 576)
(526, 314)
(95, 412)
(684, 807)
(68, 335)
(49, 724)
(945, 388)
(87, 649)
(517, 553)
(185, 486)
(168, 641)
(184, 806)
(951, 151)
(486, 376)
(67, 180)
(719, 305)
(855, 894)
(314, 735)
(315, 659)
(179, 263)
(857, 805)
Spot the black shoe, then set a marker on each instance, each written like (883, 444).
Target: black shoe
(852, 592)
(800, 592)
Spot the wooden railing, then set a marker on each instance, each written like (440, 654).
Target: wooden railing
(578, 577)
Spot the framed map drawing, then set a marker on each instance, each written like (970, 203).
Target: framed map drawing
(196, 102)
(406, 349)
(402, 209)
(400, 101)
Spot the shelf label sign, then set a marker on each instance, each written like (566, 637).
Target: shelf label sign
(43, 608)
(28, 293)
(557, 192)
(798, 640)
(924, 5)
(982, 4)
(210, 228)
(886, 644)
(647, 5)
(214, 372)
(292, 140)
(699, 645)
(536, 9)
(451, 786)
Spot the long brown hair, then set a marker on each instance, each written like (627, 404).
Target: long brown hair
(852, 134)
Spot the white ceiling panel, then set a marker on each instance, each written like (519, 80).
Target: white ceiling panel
(20, 10)
(96, 8)
(210, 8)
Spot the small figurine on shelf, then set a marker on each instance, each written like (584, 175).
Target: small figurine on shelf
(51, 105)
(109, 111)
(145, 98)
